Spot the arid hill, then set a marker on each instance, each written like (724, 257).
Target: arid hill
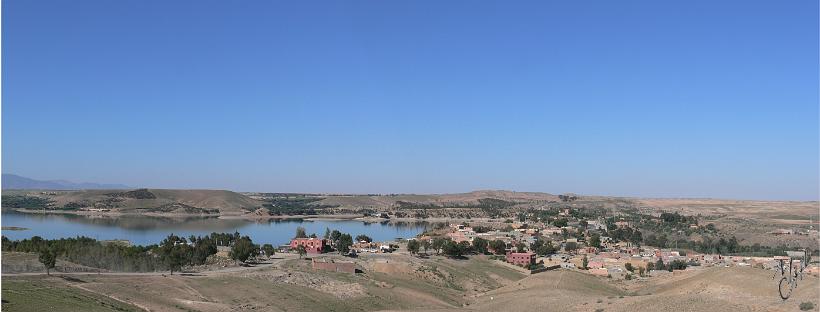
(444, 200)
(712, 289)
(148, 200)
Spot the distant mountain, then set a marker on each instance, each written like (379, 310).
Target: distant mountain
(16, 182)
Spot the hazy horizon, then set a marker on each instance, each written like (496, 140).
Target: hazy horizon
(619, 99)
(433, 193)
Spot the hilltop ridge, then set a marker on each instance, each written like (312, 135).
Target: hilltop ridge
(16, 182)
(138, 201)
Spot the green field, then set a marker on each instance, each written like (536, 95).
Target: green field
(53, 295)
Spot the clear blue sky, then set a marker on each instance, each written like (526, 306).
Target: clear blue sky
(650, 98)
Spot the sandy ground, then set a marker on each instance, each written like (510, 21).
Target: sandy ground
(403, 282)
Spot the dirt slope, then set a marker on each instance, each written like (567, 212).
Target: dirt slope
(386, 201)
(156, 200)
(715, 289)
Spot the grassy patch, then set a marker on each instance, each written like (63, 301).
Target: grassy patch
(44, 295)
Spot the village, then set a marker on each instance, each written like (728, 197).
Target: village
(567, 242)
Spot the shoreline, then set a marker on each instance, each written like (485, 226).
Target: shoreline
(252, 217)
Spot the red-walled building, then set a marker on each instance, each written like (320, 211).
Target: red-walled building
(312, 245)
(521, 258)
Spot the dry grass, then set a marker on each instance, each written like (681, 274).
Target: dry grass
(453, 287)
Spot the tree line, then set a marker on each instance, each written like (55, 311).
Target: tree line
(171, 254)
(448, 247)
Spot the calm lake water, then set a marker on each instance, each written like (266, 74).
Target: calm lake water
(143, 230)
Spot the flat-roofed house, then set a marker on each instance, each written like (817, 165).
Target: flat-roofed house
(312, 245)
(521, 258)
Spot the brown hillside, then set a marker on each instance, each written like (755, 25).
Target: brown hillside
(387, 201)
(158, 200)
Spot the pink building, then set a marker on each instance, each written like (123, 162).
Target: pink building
(521, 258)
(312, 245)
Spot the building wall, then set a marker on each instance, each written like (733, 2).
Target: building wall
(312, 245)
(521, 258)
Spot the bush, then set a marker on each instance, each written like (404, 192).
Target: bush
(805, 306)
(23, 201)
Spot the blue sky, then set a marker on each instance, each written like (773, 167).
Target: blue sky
(631, 98)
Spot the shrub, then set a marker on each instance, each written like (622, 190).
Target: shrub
(805, 306)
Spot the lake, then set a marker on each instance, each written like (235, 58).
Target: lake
(143, 230)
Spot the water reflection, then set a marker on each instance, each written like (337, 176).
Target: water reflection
(150, 230)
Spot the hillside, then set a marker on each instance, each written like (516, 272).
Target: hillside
(401, 282)
(146, 200)
(444, 200)
(550, 289)
(714, 289)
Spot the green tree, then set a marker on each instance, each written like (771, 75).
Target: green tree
(562, 222)
(268, 249)
(480, 245)
(242, 249)
(498, 246)
(48, 257)
(345, 241)
(300, 232)
(454, 249)
(327, 233)
(465, 247)
(301, 251)
(676, 265)
(413, 246)
(545, 249)
(659, 265)
(595, 240)
(334, 237)
(628, 267)
(536, 244)
(203, 248)
(438, 244)
(585, 263)
(520, 247)
(426, 245)
(174, 252)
